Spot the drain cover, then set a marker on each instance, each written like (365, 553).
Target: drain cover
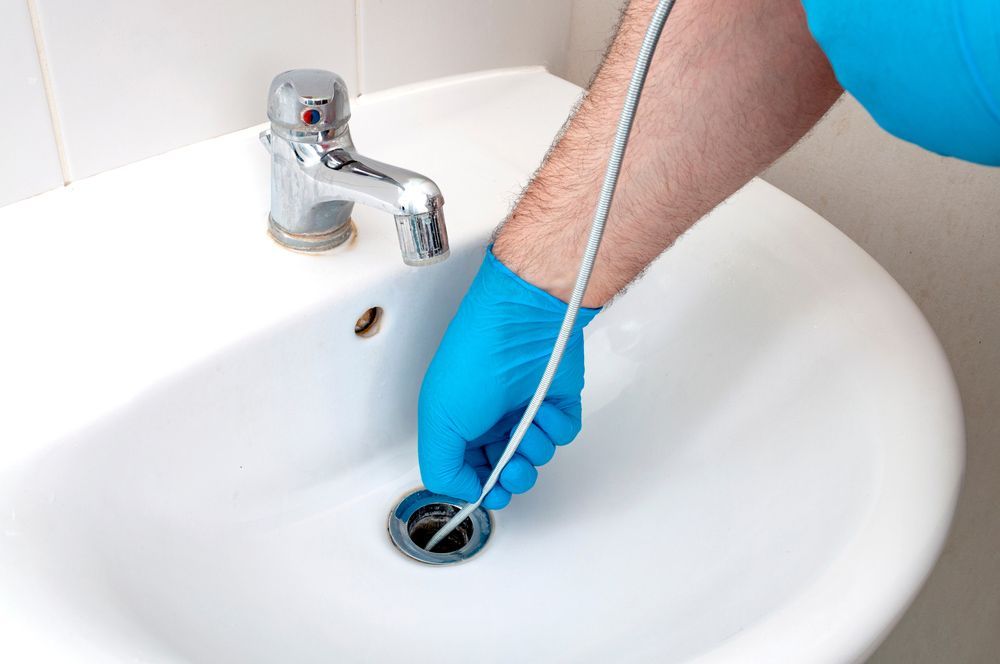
(422, 513)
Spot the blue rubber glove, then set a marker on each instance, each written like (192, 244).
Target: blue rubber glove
(927, 71)
(481, 380)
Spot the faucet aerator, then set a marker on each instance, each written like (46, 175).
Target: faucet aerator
(423, 238)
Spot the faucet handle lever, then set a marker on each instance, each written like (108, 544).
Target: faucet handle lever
(308, 105)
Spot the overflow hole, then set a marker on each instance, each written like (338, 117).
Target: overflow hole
(368, 323)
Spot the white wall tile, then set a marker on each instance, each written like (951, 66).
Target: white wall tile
(135, 78)
(403, 41)
(29, 163)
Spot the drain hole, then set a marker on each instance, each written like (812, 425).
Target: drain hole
(421, 513)
(431, 518)
(368, 322)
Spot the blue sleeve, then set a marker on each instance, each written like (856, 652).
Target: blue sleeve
(928, 71)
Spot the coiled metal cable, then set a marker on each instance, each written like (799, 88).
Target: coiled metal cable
(625, 121)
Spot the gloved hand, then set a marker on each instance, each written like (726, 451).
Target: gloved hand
(481, 380)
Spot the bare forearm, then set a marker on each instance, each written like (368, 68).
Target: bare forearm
(733, 85)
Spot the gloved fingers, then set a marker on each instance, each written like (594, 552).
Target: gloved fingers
(560, 424)
(519, 475)
(498, 497)
(476, 457)
(536, 446)
(463, 484)
(443, 468)
(498, 432)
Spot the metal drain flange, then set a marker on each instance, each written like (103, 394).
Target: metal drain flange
(422, 513)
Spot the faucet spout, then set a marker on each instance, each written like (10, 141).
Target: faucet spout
(412, 199)
(374, 183)
(317, 175)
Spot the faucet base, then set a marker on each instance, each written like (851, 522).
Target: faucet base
(311, 242)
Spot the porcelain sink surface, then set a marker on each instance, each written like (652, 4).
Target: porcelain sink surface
(198, 455)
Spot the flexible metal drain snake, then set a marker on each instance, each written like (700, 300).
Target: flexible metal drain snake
(586, 265)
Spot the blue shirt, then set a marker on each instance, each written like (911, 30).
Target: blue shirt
(928, 71)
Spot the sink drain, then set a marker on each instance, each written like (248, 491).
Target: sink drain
(422, 513)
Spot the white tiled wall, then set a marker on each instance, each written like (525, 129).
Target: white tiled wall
(135, 78)
(402, 41)
(29, 163)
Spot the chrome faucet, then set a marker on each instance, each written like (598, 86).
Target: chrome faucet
(317, 176)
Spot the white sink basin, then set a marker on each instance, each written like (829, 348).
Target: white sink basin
(198, 455)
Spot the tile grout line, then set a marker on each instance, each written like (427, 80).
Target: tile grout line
(358, 67)
(43, 65)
